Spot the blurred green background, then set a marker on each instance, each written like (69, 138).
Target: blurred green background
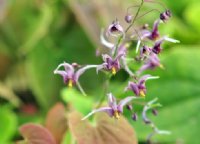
(37, 35)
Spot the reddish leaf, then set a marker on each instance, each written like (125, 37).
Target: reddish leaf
(36, 134)
(56, 122)
(106, 131)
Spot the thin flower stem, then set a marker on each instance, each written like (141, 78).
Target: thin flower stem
(133, 21)
(147, 13)
(81, 89)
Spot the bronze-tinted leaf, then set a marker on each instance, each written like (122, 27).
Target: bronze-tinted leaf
(106, 130)
(56, 122)
(36, 134)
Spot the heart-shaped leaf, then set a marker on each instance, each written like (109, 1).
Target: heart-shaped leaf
(36, 134)
(106, 130)
(56, 121)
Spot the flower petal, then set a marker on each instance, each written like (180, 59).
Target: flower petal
(108, 110)
(82, 70)
(171, 40)
(105, 42)
(68, 68)
(147, 77)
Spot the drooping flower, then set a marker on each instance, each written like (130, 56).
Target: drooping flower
(115, 29)
(145, 51)
(139, 87)
(70, 76)
(157, 46)
(113, 109)
(150, 63)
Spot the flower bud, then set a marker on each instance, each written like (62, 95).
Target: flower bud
(129, 107)
(128, 18)
(155, 112)
(134, 117)
(165, 15)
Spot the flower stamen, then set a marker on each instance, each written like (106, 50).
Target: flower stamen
(114, 71)
(142, 93)
(70, 83)
(116, 115)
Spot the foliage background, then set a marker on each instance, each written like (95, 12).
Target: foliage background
(37, 35)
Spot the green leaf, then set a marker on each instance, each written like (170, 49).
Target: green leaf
(8, 124)
(191, 14)
(81, 103)
(106, 130)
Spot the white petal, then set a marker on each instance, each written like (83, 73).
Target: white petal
(138, 46)
(171, 40)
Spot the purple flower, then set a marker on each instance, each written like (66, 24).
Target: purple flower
(151, 63)
(157, 46)
(145, 51)
(115, 29)
(139, 87)
(153, 35)
(70, 76)
(165, 15)
(113, 109)
(111, 64)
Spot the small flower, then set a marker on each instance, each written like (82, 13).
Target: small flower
(145, 33)
(151, 35)
(70, 77)
(139, 87)
(113, 109)
(145, 51)
(111, 64)
(165, 15)
(151, 63)
(115, 29)
(157, 46)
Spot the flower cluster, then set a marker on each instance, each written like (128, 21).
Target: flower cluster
(148, 42)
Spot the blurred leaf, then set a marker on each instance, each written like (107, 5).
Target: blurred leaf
(8, 124)
(40, 65)
(178, 90)
(36, 134)
(8, 94)
(178, 6)
(191, 14)
(40, 31)
(105, 131)
(81, 103)
(56, 121)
